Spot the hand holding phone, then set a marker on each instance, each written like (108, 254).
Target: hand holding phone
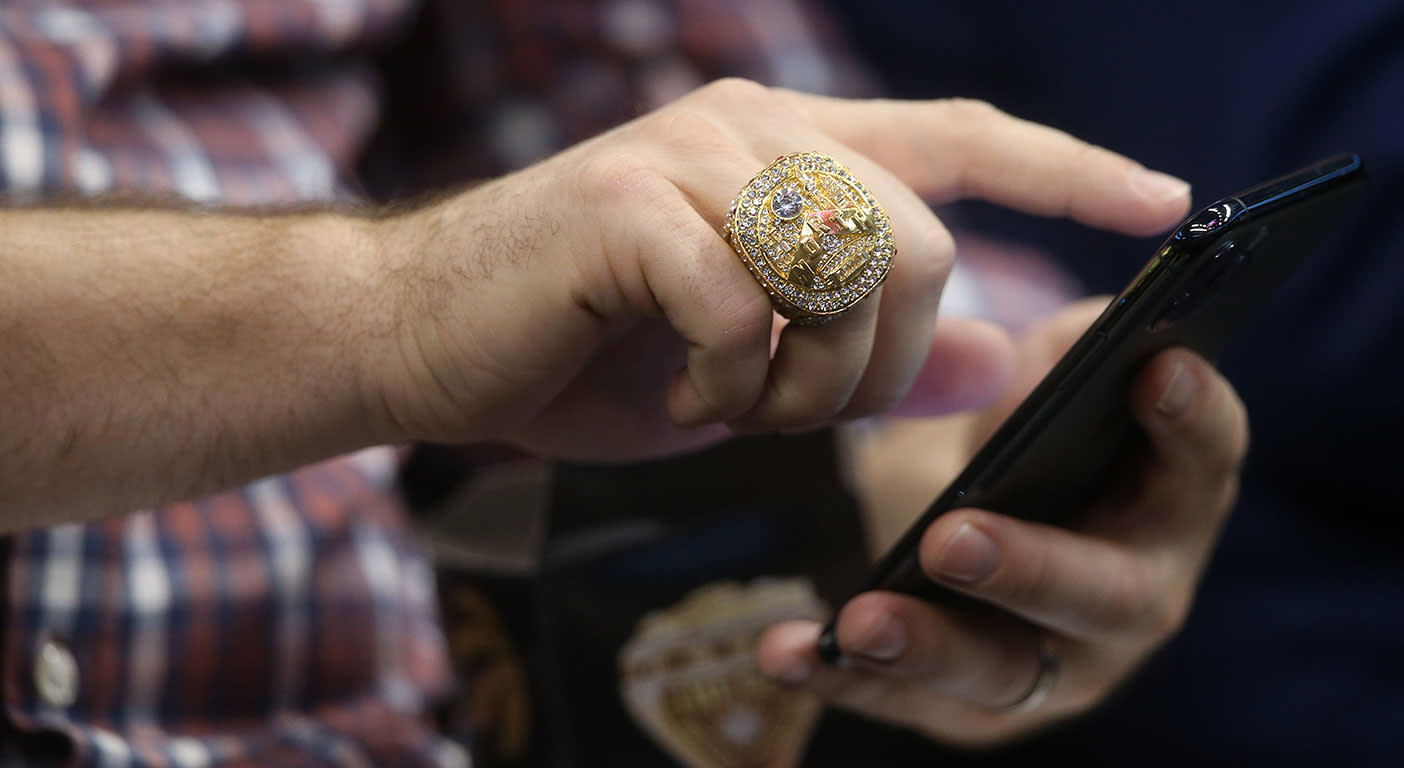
(1061, 448)
(1117, 586)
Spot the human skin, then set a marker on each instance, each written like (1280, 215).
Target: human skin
(1104, 596)
(585, 307)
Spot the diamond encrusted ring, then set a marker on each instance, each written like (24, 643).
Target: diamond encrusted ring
(812, 235)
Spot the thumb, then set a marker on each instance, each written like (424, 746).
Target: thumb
(970, 363)
(1036, 352)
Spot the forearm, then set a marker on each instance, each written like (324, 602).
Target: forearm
(148, 356)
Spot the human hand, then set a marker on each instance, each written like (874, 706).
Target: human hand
(1103, 596)
(587, 307)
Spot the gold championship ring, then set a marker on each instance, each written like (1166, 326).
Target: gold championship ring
(688, 678)
(812, 235)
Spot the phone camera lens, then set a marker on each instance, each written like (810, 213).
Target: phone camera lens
(1210, 219)
(1219, 266)
(1203, 283)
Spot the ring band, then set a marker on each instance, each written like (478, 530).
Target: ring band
(1038, 692)
(812, 235)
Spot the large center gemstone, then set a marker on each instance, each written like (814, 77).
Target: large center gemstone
(787, 203)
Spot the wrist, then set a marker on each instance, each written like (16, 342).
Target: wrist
(416, 326)
(349, 284)
(481, 313)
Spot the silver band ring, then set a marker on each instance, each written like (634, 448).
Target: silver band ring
(1038, 692)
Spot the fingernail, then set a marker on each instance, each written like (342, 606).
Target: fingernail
(1179, 392)
(970, 556)
(793, 670)
(885, 641)
(1159, 187)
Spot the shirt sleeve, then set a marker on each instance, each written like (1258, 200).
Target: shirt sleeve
(138, 98)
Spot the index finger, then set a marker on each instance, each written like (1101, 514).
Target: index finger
(955, 148)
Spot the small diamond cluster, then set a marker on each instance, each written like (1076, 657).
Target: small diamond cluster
(765, 222)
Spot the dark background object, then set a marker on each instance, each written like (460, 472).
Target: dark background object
(1291, 655)
(573, 556)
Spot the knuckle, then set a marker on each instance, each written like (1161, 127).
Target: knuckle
(734, 96)
(793, 407)
(1166, 597)
(1089, 155)
(1167, 615)
(1223, 463)
(964, 124)
(1221, 504)
(743, 315)
(1226, 448)
(688, 131)
(1033, 582)
(1128, 600)
(876, 395)
(970, 115)
(1239, 437)
(617, 176)
(935, 254)
(736, 91)
(800, 400)
(872, 401)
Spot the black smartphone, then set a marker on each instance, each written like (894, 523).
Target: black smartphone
(1058, 450)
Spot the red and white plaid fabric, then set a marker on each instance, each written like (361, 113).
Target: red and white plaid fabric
(290, 622)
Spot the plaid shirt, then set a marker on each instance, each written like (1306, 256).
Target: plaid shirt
(292, 621)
